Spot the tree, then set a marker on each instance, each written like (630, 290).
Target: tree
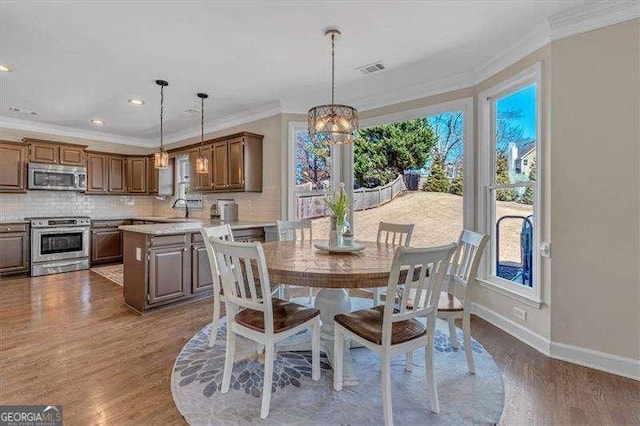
(383, 152)
(449, 128)
(457, 184)
(313, 161)
(437, 180)
(502, 178)
(508, 128)
(527, 197)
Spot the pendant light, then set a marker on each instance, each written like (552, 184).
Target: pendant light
(334, 123)
(161, 157)
(202, 162)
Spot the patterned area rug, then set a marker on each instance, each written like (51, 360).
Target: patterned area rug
(114, 273)
(298, 400)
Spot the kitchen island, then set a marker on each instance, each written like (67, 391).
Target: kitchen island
(167, 263)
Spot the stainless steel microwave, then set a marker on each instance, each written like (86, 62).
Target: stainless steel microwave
(58, 178)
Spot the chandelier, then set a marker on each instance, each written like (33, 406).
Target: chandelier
(334, 123)
(161, 157)
(202, 162)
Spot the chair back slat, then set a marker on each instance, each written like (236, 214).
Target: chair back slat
(238, 263)
(464, 266)
(295, 230)
(221, 232)
(395, 234)
(433, 263)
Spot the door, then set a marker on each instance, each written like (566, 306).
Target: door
(169, 274)
(152, 176)
(12, 168)
(194, 178)
(220, 165)
(14, 253)
(97, 169)
(236, 164)
(71, 155)
(137, 175)
(106, 245)
(205, 180)
(201, 279)
(117, 175)
(43, 153)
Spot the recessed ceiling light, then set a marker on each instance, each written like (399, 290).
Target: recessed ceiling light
(97, 122)
(136, 102)
(5, 68)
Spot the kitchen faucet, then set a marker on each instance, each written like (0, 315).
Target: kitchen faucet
(186, 206)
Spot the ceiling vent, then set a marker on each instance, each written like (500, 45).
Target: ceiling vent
(190, 111)
(22, 111)
(371, 68)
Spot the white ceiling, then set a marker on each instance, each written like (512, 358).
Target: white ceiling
(75, 61)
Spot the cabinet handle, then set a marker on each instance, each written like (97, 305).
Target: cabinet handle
(8, 228)
(184, 249)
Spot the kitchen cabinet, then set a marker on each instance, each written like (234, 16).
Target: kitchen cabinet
(117, 174)
(220, 156)
(200, 181)
(49, 152)
(14, 248)
(201, 279)
(136, 175)
(106, 241)
(160, 181)
(169, 273)
(237, 164)
(13, 167)
(97, 173)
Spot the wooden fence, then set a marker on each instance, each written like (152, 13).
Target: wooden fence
(311, 205)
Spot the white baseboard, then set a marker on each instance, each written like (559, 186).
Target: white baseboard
(603, 361)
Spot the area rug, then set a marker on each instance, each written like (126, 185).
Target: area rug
(114, 273)
(298, 400)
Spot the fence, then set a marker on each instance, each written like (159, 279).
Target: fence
(312, 205)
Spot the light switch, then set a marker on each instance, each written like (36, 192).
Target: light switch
(138, 254)
(545, 249)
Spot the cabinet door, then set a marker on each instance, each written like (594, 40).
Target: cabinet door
(194, 178)
(236, 164)
(166, 179)
(205, 180)
(201, 279)
(12, 168)
(43, 153)
(169, 274)
(14, 253)
(220, 165)
(152, 176)
(117, 175)
(71, 155)
(97, 174)
(137, 175)
(106, 245)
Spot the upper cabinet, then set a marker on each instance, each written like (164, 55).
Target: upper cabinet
(160, 181)
(13, 159)
(237, 164)
(106, 173)
(117, 174)
(137, 175)
(48, 152)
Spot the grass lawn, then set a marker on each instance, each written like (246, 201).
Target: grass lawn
(437, 218)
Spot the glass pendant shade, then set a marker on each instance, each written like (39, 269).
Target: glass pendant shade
(161, 159)
(202, 164)
(333, 124)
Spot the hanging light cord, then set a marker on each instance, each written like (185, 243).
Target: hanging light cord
(161, 114)
(333, 67)
(201, 123)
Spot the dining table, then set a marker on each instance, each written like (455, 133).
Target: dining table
(301, 264)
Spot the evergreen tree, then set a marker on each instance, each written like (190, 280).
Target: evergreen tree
(502, 178)
(437, 180)
(527, 197)
(457, 185)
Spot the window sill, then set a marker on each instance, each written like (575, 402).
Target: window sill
(508, 292)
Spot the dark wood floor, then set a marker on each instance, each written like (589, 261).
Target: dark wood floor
(67, 339)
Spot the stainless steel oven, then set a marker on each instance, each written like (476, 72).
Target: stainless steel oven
(59, 244)
(55, 177)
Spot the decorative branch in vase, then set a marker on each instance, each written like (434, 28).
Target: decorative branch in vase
(339, 204)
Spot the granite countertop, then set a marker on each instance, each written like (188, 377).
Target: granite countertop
(194, 225)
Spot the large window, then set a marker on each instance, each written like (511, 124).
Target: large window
(511, 117)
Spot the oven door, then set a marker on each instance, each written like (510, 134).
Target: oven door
(59, 243)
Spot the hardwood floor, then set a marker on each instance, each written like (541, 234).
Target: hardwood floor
(67, 339)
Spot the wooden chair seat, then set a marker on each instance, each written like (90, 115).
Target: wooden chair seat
(286, 315)
(367, 323)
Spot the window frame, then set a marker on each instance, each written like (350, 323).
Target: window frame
(487, 186)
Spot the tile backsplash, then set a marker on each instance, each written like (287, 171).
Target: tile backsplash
(63, 203)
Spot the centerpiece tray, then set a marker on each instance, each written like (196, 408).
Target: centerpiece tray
(324, 245)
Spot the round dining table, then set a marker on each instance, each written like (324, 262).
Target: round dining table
(299, 263)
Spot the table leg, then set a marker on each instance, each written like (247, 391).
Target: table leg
(330, 302)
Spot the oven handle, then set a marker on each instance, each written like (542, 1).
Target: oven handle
(61, 230)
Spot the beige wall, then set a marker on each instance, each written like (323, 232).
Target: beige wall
(596, 190)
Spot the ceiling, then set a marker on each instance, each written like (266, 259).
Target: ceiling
(72, 62)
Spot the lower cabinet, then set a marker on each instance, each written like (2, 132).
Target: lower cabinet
(106, 241)
(14, 249)
(169, 273)
(201, 279)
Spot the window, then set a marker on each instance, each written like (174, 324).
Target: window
(510, 132)
(183, 171)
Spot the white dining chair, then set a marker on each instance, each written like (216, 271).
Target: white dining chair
(462, 276)
(394, 234)
(221, 232)
(391, 330)
(295, 230)
(254, 314)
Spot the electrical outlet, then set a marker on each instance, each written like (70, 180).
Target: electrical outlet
(138, 254)
(521, 314)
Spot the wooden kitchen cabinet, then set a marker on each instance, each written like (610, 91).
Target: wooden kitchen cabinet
(169, 274)
(106, 241)
(201, 279)
(97, 173)
(49, 152)
(14, 248)
(160, 181)
(200, 181)
(44, 153)
(237, 164)
(136, 175)
(13, 160)
(71, 155)
(117, 175)
(220, 157)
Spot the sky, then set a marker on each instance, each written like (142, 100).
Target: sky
(524, 101)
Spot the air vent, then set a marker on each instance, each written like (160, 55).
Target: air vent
(22, 111)
(190, 111)
(371, 68)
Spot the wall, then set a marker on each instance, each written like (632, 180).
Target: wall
(596, 190)
(251, 206)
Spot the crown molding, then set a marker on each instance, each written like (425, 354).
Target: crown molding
(593, 16)
(227, 121)
(71, 132)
